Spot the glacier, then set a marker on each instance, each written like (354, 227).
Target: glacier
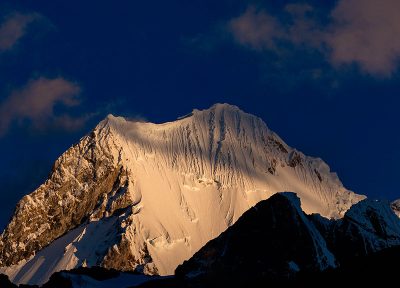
(140, 196)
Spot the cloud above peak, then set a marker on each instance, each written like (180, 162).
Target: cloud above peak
(366, 32)
(361, 32)
(36, 102)
(13, 28)
(256, 29)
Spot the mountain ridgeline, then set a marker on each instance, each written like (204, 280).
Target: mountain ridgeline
(144, 197)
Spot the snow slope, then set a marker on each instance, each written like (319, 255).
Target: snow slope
(69, 251)
(173, 187)
(366, 228)
(375, 223)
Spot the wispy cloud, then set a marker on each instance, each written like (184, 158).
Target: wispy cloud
(366, 32)
(13, 28)
(36, 102)
(362, 32)
(256, 29)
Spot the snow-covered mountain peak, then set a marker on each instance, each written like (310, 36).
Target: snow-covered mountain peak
(110, 120)
(223, 110)
(220, 107)
(226, 108)
(160, 192)
(110, 116)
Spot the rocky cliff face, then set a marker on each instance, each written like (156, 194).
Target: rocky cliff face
(369, 226)
(396, 207)
(150, 195)
(80, 179)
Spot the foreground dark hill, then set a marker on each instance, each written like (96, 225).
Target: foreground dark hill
(276, 241)
(378, 269)
(273, 240)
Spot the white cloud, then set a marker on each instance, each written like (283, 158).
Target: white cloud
(362, 32)
(13, 28)
(35, 102)
(256, 29)
(366, 32)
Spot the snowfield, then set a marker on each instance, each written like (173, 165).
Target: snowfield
(145, 196)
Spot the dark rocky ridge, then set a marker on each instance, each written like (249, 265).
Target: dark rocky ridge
(369, 226)
(276, 242)
(275, 236)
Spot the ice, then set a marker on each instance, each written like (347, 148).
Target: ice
(184, 183)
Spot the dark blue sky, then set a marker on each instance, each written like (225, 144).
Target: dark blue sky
(324, 77)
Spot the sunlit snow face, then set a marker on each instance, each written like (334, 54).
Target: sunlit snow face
(161, 191)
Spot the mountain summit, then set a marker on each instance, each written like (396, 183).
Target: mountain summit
(145, 197)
